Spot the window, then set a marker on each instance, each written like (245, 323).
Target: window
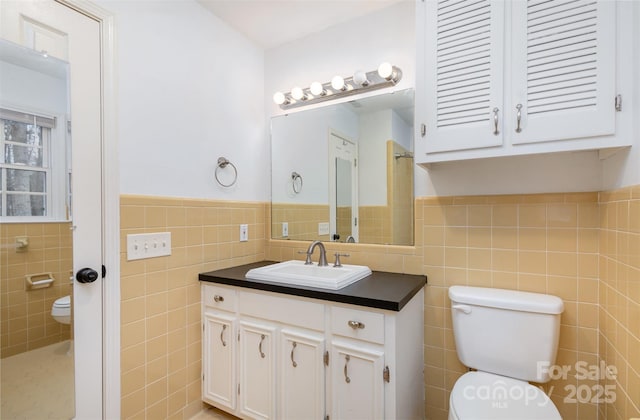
(27, 181)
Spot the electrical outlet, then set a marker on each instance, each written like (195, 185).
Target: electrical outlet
(244, 233)
(148, 245)
(285, 229)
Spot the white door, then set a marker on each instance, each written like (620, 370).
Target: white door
(343, 188)
(257, 370)
(301, 387)
(357, 381)
(73, 37)
(219, 360)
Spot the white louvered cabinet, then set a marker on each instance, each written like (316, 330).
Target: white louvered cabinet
(516, 77)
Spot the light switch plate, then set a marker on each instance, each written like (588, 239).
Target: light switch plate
(285, 229)
(148, 245)
(323, 228)
(244, 233)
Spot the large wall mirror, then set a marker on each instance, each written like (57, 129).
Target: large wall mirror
(344, 172)
(36, 353)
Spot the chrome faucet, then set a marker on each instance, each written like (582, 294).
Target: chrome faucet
(322, 262)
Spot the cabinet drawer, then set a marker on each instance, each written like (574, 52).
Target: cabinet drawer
(219, 297)
(363, 325)
(289, 310)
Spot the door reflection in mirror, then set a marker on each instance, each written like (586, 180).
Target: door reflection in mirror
(381, 193)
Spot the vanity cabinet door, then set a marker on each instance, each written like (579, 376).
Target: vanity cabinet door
(219, 360)
(357, 380)
(257, 370)
(302, 375)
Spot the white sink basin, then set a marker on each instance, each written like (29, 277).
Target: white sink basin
(295, 272)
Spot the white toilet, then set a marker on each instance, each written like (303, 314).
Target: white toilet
(61, 310)
(510, 338)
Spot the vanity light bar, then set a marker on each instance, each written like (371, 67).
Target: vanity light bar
(385, 76)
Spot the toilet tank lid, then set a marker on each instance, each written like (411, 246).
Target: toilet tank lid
(506, 299)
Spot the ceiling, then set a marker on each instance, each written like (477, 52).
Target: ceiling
(270, 23)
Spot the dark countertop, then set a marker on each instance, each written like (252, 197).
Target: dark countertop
(380, 290)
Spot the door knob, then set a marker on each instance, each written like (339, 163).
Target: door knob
(87, 275)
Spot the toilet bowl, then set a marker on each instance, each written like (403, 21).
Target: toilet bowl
(481, 395)
(505, 336)
(61, 310)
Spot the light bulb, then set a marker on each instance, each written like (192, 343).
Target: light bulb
(360, 78)
(298, 94)
(338, 83)
(279, 98)
(317, 89)
(385, 70)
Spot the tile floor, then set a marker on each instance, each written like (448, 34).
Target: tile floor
(213, 413)
(38, 384)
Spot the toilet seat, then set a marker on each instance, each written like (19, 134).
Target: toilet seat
(482, 395)
(63, 302)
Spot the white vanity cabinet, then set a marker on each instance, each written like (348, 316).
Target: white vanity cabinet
(357, 350)
(296, 357)
(509, 78)
(219, 347)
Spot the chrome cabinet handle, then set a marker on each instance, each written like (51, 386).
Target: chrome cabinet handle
(262, 337)
(495, 121)
(346, 372)
(218, 298)
(224, 343)
(293, 347)
(356, 325)
(518, 118)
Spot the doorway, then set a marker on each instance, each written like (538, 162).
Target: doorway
(343, 188)
(57, 247)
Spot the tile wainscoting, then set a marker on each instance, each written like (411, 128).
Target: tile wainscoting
(583, 247)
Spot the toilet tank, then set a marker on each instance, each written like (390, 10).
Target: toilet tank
(506, 332)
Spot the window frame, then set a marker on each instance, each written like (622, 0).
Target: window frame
(55, 165)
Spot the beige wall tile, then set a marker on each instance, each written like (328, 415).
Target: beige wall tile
(160, 297)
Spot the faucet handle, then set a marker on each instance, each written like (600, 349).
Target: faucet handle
(338, 255)
(308, 260)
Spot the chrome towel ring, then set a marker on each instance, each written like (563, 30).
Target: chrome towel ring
(222, 164)
(295, 177)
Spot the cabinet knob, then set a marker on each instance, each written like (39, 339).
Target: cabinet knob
(218, 298)
(495, 121)
(518, 118)
(356, 325)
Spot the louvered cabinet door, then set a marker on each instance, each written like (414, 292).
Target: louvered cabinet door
(563, 70)
(464, 53)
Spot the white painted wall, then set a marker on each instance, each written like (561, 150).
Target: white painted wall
(401, 132)
(361, 44)
(301, 144)
(27, 90)
(375, 130)
(190, 90)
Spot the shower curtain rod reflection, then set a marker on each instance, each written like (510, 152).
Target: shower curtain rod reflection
(407, 155)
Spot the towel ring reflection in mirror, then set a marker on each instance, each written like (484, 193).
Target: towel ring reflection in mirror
(223, 162)
(296, 181)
